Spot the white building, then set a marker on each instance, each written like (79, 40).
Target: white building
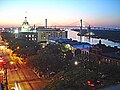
(26, 32)
(46, 34)
(25, 26)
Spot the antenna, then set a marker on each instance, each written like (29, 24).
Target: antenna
(26, 13)
(25, 16)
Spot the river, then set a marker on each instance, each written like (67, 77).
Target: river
(73, 35)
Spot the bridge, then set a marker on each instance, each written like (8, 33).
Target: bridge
(77, 25)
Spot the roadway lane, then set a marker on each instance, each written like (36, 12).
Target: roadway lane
(14, 74)
(25, 77)
(36, 82)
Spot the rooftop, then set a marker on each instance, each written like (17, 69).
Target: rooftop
(112, 54)
(73, 43)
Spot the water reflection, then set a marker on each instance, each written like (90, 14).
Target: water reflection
(74, 36)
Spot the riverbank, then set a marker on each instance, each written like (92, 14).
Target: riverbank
(110, 35)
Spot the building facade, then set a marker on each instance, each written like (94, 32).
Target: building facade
(28, 36)
(46, 34)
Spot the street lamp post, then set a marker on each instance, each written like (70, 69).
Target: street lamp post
(6, 82)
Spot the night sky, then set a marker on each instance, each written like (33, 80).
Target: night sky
(60, 12)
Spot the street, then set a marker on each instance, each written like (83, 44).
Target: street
(25, 78)
(19, 76)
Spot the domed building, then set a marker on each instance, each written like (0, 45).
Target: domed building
(25, 26)
(26, 32)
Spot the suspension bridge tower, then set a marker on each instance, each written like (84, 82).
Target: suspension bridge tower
(80, 33)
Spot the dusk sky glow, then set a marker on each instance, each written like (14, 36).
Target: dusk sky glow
(60, 12)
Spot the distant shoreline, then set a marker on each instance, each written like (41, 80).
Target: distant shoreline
(117, 41)
(110, 35)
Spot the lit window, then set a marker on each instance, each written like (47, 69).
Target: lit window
(32, 35)
(29, 35)
(32, 38)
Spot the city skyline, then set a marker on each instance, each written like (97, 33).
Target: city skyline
(62, 12)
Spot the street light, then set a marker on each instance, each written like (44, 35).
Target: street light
(76, 63)
(18, 47)
(11, 62)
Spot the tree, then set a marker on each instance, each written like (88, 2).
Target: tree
(50, 59)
